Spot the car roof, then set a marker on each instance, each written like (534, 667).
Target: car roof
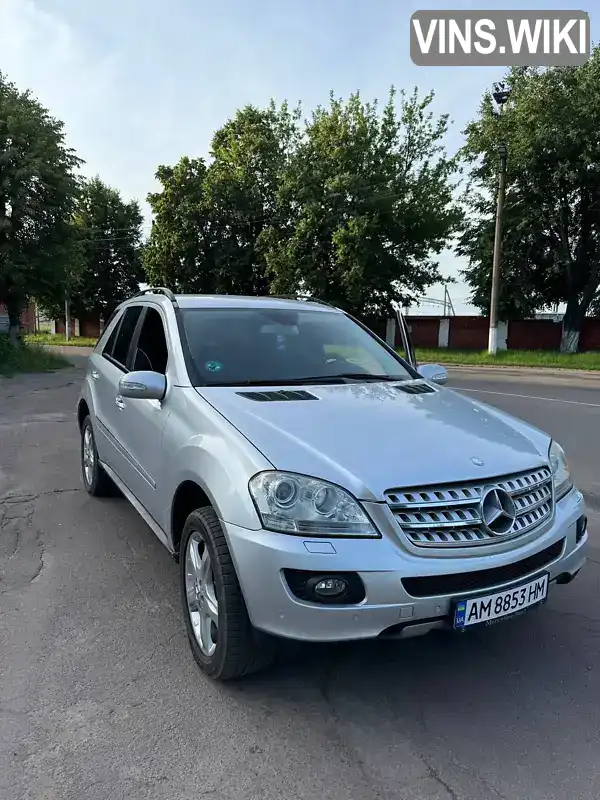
(234, 301)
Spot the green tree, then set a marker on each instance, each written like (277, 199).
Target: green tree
(250, 154)
(522, 289)
(38, 185)
(209, 221)
(365, 205)
(180, 252)
(105, 264)
(551, 247)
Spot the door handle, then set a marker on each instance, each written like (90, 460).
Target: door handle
(95, 374)
(119, 402)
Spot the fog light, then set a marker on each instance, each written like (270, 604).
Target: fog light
(581, 528)
(335, 588)
(330, 587)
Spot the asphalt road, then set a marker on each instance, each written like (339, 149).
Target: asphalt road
(100, 697)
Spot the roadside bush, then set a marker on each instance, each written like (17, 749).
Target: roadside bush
(26, 358)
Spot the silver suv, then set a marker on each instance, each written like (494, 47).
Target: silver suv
(314, 485)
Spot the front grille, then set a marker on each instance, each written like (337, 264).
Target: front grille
(464, 582)
(451, 515)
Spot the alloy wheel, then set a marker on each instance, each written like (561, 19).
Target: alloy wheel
(202, 603)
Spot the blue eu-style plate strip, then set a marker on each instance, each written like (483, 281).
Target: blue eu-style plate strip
(459, 616)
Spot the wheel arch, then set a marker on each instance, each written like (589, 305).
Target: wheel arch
(188, 497)
(83, 411)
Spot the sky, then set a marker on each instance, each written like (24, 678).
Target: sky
(140, 83)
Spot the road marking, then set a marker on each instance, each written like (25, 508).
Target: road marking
(531, 397)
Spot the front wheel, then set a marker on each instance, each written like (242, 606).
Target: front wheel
(222, 639)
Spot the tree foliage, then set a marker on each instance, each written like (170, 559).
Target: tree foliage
(105, 265)
(551, 246)
(352, 208)
(209, 220)
(180, 250)
(368, 202)
(38, 185)
(250, 156)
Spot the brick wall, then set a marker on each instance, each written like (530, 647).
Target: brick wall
(590, 334)
(534, 334)
(468, 333)
(424, 330)
(88, 326)
(471, 333)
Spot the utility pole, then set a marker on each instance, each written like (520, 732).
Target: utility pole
(500, 94)
(67, 319)
(495, 299)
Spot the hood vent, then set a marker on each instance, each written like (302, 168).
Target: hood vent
(414, 388)
(278, 396)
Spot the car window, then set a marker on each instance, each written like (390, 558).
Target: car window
(242, 345)
(124, 336)
(110, 344)
(151, 351)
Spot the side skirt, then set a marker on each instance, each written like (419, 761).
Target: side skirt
(150, 521)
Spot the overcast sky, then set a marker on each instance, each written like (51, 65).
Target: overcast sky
(142, 82)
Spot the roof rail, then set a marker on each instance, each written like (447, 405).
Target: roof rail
(305, 297)
(157, 290)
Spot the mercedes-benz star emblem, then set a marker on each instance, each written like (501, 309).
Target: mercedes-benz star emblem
(498, 511)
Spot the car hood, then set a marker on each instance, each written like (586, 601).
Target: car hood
(370, 437)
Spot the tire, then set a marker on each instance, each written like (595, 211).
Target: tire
(96, 481)
(232, 648)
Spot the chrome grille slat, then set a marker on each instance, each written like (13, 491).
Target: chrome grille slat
(450, 515)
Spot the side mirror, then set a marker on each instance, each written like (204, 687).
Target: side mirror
(434, 373)
(143, 385)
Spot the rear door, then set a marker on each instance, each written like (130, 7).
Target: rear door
(106, 369)
(140, 423)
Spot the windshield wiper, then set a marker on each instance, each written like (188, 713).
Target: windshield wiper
(283, 381)
(362, 376)
(315, 379)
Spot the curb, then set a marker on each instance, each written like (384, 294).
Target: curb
(591, 374)
(68, 350)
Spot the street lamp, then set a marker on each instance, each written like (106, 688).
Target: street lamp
(500, 94)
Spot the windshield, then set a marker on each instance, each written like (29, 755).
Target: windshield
(268, 346)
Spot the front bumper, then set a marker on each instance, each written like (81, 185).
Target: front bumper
(388, 609)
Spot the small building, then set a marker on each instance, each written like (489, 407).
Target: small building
(28, 319)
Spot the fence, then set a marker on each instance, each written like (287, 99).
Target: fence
(458, 333)
(471, 333)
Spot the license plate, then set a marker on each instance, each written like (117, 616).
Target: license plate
(507, 603)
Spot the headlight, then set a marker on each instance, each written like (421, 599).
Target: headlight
(561, 474)
(290, 503)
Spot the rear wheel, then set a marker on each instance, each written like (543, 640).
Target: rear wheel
(95, 479)
(222, 639)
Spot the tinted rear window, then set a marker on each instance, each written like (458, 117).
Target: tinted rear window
(125, 334)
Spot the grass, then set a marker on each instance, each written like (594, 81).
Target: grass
(512, 358)
(59, 339)
(27, 358)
